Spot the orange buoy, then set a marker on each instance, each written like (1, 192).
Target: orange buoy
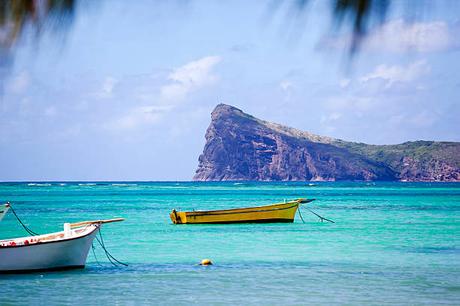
(206, 262)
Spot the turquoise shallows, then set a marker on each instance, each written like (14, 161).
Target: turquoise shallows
(395, 243)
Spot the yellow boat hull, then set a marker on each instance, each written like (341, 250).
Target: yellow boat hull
(282, 212)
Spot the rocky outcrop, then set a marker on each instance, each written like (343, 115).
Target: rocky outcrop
(242, 147)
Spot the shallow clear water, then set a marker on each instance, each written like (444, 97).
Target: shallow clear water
(395, 243)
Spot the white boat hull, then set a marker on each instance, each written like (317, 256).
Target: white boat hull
(49, 255)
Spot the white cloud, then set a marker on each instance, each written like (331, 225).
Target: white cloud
(387, 102)
(400, 36)
(155, 101)
(378, 94)
(393, 74)
(139, 116)
(190, 77)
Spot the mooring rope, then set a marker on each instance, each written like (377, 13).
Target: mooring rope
(300, 214)
(94, 254)
(320, 217)
(28, 230)
(107, 253)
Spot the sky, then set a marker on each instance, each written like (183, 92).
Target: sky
(128, 91)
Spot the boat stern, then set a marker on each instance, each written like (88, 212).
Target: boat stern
(178, 217)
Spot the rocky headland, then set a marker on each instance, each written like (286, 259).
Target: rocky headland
(242, 147)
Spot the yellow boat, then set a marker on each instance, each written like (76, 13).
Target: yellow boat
(281, 212)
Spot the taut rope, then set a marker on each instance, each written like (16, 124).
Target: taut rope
(109, 256)
(320, 217)
(28, 230)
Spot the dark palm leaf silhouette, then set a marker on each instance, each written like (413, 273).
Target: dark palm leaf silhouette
(17, 15)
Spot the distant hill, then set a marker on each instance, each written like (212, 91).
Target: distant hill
(242, 147)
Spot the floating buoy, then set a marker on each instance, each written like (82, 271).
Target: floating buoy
(206, 262)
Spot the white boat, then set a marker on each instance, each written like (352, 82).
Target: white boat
(55, 251)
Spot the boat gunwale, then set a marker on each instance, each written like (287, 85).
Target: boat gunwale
(46, 242)
(241, 209)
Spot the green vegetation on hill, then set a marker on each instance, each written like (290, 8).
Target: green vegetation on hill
(414, 154)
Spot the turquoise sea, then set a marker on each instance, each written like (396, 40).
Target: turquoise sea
(392, 243)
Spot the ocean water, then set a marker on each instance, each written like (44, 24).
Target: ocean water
(392, 243)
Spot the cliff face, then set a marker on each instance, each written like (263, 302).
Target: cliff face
(242, 147)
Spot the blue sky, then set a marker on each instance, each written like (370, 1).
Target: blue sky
(128, 94)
